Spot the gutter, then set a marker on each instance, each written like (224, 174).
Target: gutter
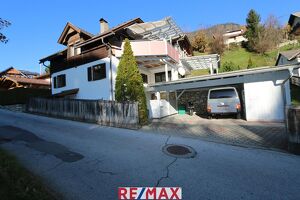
(95, 38)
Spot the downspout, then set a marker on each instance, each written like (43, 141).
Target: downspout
(110, 68)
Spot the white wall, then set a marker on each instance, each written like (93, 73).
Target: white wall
(161, 107)
(151, 72)
(264, 101)
(76, 77)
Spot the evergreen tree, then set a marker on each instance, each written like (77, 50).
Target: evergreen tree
(253, 20)
(129, 83)
(229, 66)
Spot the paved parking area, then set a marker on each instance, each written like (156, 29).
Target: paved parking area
(229, 131)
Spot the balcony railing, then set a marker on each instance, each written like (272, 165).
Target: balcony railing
(152, 48)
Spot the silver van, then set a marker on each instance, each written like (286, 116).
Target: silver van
(222, 101)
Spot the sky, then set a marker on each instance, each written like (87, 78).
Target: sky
(37, 25)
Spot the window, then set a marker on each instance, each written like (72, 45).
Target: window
(70, 51)
(59, 81)
(161, 77)
(96, 72)
(220, 94)
(145, 78)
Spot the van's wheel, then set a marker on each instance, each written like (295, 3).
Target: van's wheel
(209, 117)
(238, 116)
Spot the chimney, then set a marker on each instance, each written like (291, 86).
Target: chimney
(103, 25)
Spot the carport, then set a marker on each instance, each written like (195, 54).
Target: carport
(264, 91)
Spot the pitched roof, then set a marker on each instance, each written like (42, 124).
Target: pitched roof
(25, 72)
(112, 30)
(292, 17)
(75, 28)
(291, 54)
(30, 81)
(5, 71)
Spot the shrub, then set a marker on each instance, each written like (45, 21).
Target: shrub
(229, 66)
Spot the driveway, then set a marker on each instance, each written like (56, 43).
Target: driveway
(229, 131)
(86, 161)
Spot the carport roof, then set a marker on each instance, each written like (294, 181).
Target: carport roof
(201, 62)
(235, 77)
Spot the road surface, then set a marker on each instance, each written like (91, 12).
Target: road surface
(87, 161)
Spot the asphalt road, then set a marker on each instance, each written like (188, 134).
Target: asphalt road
(87, 161)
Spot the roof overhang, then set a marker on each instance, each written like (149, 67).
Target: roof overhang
(162, 29)
(110, 32)
(228, 78)
(201, 62)
(71, 29)
(48, 58)
(66, 92)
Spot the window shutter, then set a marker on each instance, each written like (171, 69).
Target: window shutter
(54, 82)
(89, 73)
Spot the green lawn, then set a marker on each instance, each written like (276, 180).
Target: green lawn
(240, 56)
(295, 95)
(18, 183)
(199, 72)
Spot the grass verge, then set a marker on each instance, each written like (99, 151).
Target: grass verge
(18, 183)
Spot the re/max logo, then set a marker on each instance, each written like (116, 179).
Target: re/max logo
(149, 193)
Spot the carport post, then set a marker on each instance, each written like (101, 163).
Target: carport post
(177, 97)
(166, 72)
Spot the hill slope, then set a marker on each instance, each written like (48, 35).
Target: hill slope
(219, 27)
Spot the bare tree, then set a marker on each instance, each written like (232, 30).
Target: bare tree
(3, 24)
(270, 34)
(217, 42)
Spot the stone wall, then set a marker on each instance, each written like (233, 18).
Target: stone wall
(197, 97)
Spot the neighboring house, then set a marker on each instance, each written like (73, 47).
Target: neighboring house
(234, 36)
(294, 22)
(13, 78)
(288, 58)
(87, 67)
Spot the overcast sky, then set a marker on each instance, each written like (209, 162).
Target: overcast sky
(37, 25)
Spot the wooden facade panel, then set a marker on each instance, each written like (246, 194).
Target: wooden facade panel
(61, 63)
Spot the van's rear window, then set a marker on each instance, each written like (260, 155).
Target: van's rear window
(226, 93)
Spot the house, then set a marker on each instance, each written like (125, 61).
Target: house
(13, 78)
(86, 68)
(289, 57)
(294, 22)
(234, 36)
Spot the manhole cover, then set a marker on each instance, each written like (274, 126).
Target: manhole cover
(179, 151)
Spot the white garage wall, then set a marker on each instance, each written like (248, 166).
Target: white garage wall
(264, 101)
(76, 77)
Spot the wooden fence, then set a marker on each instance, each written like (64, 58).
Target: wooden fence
(107, 113)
